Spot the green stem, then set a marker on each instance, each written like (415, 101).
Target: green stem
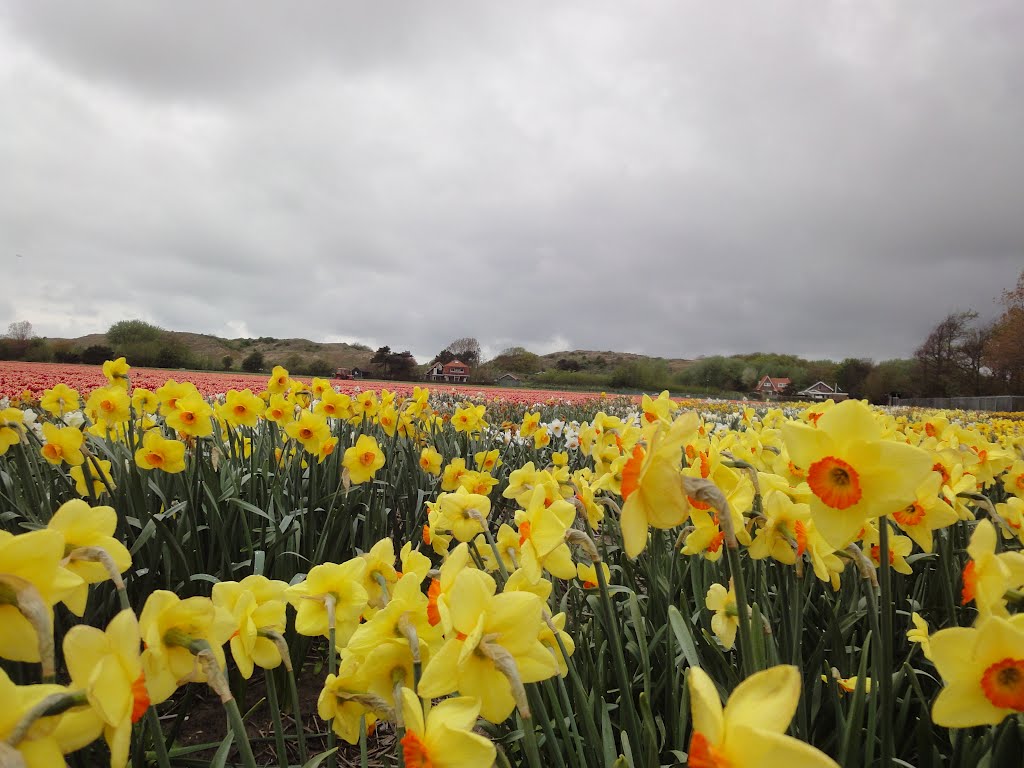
(732, 553)
(885, 644)
(293, 691)
(275, 712)
(530, 743)
(332, 668)
(494, 549)
(615, 641)
(241, 737)
(364, 758)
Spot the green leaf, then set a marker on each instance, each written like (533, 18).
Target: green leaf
(681, 629)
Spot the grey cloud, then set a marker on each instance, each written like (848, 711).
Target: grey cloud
(812, 177)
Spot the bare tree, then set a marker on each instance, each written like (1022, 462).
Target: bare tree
(20, 331)
(1004, 351)
(938, 358)
(466, 349)
(972, 354)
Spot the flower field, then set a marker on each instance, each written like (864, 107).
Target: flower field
(452, 578)
(35, 378)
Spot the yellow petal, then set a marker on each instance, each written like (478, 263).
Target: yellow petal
(705, 706)
(765, 700)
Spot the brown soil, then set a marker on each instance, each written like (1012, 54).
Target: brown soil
(206, 723)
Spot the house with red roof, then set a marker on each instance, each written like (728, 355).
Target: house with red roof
(769, 387)
(453, 372)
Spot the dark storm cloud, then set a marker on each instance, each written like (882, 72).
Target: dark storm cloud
(821, 178)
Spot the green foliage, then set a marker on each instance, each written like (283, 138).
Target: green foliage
(254, 362)
(646, 374)
(227, 361)
(97, 354)
(635, 635)
(515, 360)
(125, 332)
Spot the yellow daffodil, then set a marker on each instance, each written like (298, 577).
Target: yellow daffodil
(469, 419)
(784, 535)
(281, 411)
(983, 671)
(847, 684)
(343, 584)
(451, 477)
(1013, 479)
(59, 400)
(726, 620)
(987, 575)
(542, 528)
(508, 546)
(256, 603)
(169, 625)
(407, 607)
(191, 416)
(241, 409)
(309, 429)
(854, 472)
(461, 513)
(144, 401)
(338, 705)
(919, 634)
(445, 738)
(489, 633)
(108, 667)
(587, 574)
(531, 423)
(278, 381)
(62, 444)
(365, 405)
(101, 479)
(116, 372)
(334, 405)
(652, 489)
(33, 557)
(479, 483)
(750, 730)
(487, 461)
(83, 526)
(380, 571)
(363, 459)
(41, 747)
(157, 452)
(430, 461)
(109, 405)
(927, 513)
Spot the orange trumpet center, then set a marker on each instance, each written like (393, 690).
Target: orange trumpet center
(631, 472)
(524, 532)
(140, 698)
(970, 583)
(1003, 683)
(835, 482)
(415, 752)
(703, 755)
(912, 514)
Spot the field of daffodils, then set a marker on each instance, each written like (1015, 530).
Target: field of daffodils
(236, 571)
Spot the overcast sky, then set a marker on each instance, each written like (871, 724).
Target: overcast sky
(674, 178)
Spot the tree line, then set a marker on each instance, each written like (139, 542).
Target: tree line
(964, 357)
(960, 356)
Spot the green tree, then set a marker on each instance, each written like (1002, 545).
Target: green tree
(253, 362)
(126, 332)
(851, 375)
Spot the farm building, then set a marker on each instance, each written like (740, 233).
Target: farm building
(822, 391)
(770, 388)
(452, 372)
